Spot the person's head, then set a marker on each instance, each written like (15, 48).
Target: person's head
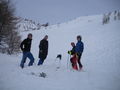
(46, 37)
(79, 38)
(30, 35)
(72, 44)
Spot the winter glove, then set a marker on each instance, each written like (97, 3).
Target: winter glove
(69, 52)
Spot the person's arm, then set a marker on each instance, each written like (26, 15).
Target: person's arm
(47, 47)
(82, 46)
(73, 51)
(22, 44)
(41, 45)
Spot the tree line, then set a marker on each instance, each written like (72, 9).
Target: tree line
(9, 36)
(107, 17)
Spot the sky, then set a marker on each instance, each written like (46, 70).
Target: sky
(59, 11)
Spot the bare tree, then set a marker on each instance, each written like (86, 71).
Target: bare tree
(9, 37)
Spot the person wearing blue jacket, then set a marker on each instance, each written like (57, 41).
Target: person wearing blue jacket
(79, 50)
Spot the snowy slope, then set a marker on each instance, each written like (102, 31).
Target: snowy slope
(29, 25)
(100, 58)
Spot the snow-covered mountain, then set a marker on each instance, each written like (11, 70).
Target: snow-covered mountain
(29, 25)
(100, 58)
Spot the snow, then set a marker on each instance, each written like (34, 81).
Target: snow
(100, 58)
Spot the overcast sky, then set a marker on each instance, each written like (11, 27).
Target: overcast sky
(57, 11)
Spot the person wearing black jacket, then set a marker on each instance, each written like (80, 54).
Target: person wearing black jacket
(43, 50)
(25, 47)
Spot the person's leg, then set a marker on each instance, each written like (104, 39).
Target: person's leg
(40, 62)
(42, 58)
(72, 63)
(23, 60)
(79, 61)
(30, 56)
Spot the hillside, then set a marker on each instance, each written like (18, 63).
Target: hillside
(29, 25)
(100, 58)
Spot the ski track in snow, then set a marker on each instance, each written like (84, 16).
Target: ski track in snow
(101, 59)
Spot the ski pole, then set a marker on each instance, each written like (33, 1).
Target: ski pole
(68, 64)
(67, 61)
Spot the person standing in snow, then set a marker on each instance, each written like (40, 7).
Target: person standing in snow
(25, 47)
(79, 50)
(73, 59)
(43, 50)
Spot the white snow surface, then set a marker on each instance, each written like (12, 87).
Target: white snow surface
(100, 59)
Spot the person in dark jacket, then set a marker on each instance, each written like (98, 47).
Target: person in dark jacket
(73, 59)
(71, 52)
(43, 50)
(79, 50)
(25, 47)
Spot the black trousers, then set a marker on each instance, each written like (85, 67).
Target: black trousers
(79, 60)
